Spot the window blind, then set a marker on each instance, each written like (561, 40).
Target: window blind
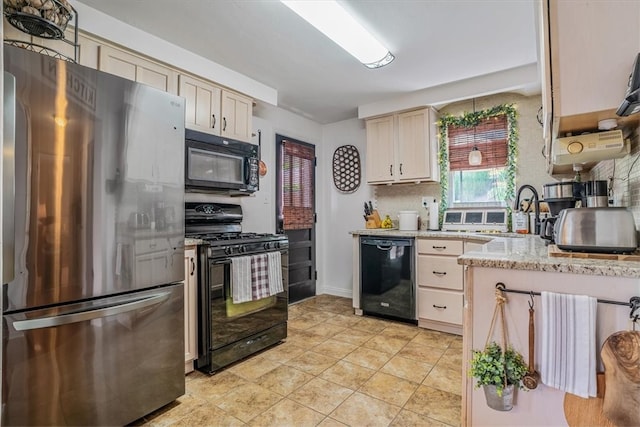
(489, 135)
(297, 185)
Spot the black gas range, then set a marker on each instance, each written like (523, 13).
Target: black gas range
(219, 226)
(228, 332)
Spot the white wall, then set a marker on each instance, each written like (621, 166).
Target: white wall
(339, 213)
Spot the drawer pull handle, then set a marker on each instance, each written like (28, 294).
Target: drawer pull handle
(439, 247)
(440, 273)
(439, 306)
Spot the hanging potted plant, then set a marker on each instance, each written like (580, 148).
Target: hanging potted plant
(499, 373)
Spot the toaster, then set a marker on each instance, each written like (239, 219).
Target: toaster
(610, 230)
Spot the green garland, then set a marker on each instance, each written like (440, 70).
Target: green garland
(470, 120)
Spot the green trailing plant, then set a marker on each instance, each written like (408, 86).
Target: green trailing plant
(488, 367)
(469, 120)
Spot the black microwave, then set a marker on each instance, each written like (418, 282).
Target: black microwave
(220, 165)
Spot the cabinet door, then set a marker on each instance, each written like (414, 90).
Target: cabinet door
(202, 104)
(414, 154)
(237, 111)
(138, 69)
(593, 47)
(190, 309)
(380, 150)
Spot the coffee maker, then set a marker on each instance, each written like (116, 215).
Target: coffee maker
(559, 196)
(597, 193)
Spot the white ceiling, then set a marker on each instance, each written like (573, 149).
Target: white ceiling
(435, 42)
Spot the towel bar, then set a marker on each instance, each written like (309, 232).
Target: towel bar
(634, 302)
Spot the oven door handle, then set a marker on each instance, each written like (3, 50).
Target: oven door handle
(223, 262)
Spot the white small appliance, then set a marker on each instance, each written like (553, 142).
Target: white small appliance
(408, 220)
(476, 219)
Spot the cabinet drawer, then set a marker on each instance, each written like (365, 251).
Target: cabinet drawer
(441, 306)
(440, 247)
(440, 272)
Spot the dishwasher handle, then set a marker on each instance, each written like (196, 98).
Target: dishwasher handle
(385, 244)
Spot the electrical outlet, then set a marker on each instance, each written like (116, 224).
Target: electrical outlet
(425, 202)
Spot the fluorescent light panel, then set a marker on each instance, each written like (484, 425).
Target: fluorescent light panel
(334, 22)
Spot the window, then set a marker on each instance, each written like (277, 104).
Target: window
(486, 182)
(297, 185)
(491, 182)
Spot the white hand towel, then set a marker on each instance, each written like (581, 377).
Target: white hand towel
(275, 272)
(241, 279)
(569, 343)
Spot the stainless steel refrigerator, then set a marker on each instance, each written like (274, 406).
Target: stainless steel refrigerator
(93, 198)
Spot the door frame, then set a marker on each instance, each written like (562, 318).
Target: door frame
(278, 190)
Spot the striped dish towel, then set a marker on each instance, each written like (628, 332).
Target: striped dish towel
(241, 279)
(275, 273)
(259, 277)
(569, 343)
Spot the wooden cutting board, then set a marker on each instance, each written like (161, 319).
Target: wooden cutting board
(581, 412)
(554, 251)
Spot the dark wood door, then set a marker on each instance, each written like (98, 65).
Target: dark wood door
(295, 216)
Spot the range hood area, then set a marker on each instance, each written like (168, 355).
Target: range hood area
(585, 151)
(592, 147)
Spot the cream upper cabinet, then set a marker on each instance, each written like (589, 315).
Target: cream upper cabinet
(415, 156)
(596, 43)
(137, 68)
(588, 48)
(237, 112)
(380, 149)
(402, 148)
(202, 104)
(593, 44)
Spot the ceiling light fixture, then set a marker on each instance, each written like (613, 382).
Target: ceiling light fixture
(336, 23)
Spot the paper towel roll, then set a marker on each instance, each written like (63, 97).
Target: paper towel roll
(433, 215)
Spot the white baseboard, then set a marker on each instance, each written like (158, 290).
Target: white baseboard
(338, 292)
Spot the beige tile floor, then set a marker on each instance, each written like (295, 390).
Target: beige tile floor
(334, 369)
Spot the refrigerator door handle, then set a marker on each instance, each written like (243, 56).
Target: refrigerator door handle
(81, 316)
(8, 177)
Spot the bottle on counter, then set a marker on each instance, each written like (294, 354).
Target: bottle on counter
(520, 221)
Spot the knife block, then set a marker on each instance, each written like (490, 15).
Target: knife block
(373, 220)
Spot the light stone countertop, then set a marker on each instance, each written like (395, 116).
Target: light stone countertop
(519, 252)
(192, 242)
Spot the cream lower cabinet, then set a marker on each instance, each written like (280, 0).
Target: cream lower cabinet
(440, 285)
(402, 148)
(138, 69)
(190, 308)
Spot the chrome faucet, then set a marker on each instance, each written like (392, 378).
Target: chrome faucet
(536, 204)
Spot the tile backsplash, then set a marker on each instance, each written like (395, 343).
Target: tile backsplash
(391, 199)
(626, 178)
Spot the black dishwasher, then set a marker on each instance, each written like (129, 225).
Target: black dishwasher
(387, 285)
